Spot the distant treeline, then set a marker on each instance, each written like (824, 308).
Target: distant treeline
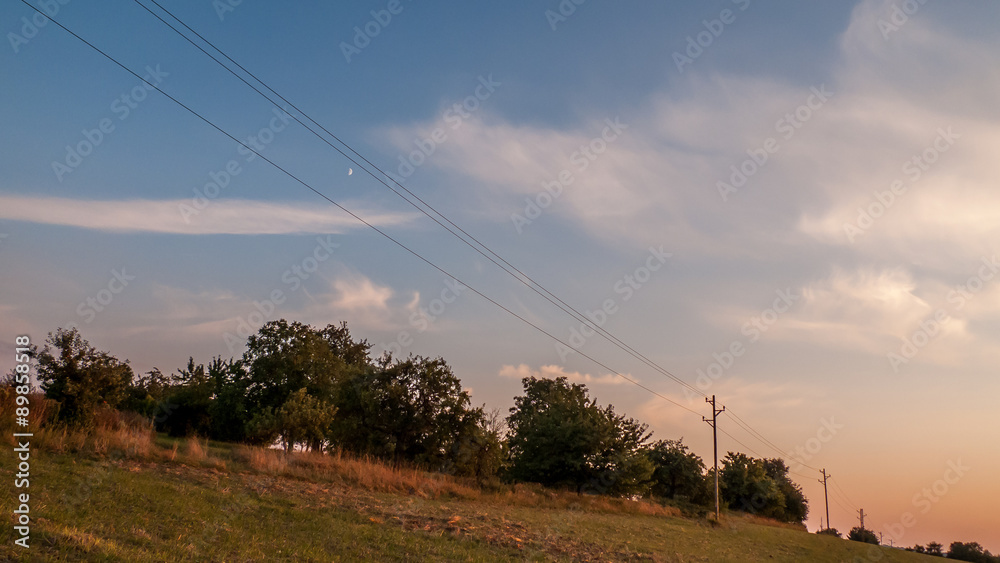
(320, 389)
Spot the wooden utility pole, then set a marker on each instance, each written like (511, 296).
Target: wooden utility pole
(826, 499)
(861, 511)
(715, 443)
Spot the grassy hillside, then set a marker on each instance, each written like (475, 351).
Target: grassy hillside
(181, 502)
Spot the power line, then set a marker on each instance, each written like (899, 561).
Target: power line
(842, 507)
(355, 216)
(841, 491)
(465, 237)
(519, 275)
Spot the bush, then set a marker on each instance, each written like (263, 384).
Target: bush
(862, 535)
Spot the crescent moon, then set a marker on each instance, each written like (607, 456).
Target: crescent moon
(350, 171)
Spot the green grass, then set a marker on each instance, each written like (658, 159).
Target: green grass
(90, 509)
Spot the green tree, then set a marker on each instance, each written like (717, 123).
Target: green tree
(146, 393)
(188, 402)
(744, 485)
(302, 419)
(678, 473)
(796, 506)
(560, 437)
(480, 450)
(284, 357)
(79, 377)
(228, 410)
(971, 551)
(862, 535)
(761, 486)
(407, 410)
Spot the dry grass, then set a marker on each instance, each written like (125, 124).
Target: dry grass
(112, 433)
(763, 521)
(345, 469)
(536, 496)
(133, 437)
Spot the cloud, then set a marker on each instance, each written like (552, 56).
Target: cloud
(658, 181)
(224, 216)
(360, 293)
(554, 371)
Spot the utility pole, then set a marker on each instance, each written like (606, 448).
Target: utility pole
(715, 443)
(861, 511)
(826, 499)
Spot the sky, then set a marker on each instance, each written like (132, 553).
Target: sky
(787, 205)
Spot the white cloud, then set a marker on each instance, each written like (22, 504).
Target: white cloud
(358, 292)
(658, 181)
(554, 371)
(223, 216)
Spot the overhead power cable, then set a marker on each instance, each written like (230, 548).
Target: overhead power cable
(352, 214)
(424, 207)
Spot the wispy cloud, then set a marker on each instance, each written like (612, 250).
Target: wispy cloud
(224, 216)
(554, 371)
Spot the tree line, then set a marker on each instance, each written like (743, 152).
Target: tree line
(320, 389)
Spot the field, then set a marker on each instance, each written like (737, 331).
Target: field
(118, 499)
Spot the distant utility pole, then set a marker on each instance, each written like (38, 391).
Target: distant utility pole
(826, 499)
(715, 442)
(861, 511)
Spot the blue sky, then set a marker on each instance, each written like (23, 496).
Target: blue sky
(800, 288)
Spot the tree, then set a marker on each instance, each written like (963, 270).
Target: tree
(830, 532)
(678, 473)
(971, 551)
(79, 377)
(187, 404)
(864, 535)
(761, 486)
(146, 393)
(745, 485)
(228, 409)
(796, 507)
(284, 357)
(301, 419)
(561, 438)
(934, 548)
(411, 410)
